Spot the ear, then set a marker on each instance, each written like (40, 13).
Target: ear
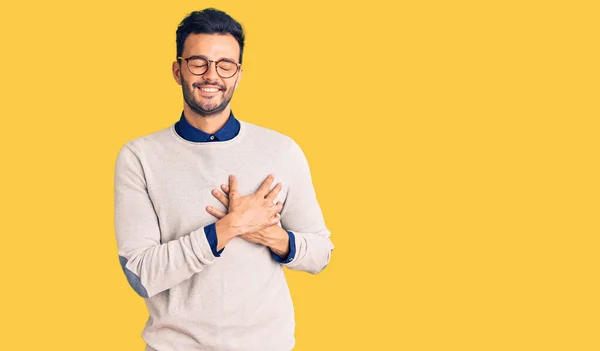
(239, 78)
(176, 72)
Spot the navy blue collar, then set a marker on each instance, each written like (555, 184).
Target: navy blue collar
(187, 131)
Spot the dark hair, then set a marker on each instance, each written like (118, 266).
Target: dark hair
(209, 21)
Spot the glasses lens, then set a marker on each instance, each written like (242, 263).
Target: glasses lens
(197, 65)
(226, 69)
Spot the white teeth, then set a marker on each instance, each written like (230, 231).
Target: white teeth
(209, 90)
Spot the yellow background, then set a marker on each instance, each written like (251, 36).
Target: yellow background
(453, 146)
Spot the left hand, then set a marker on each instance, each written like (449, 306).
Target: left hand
(274, 236)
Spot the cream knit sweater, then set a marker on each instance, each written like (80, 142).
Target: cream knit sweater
(239, 301)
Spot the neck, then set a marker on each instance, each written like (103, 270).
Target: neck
(208, 124)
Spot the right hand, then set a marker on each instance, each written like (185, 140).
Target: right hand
(248, 214)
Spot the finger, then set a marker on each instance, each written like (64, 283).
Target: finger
(215, 212)
(274, 220)
(225, 188)
(233, 186)
(275, 209)
(221, 197)
(266, 185)
(273, 194)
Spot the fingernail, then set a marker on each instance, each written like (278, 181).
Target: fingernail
(209, 208)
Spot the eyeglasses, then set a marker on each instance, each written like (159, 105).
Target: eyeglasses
(198, 65)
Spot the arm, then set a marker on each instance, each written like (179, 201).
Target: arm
(152, 267)
(301, 215)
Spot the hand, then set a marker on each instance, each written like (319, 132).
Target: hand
(269, 236)
(223, 198)
(252, 213)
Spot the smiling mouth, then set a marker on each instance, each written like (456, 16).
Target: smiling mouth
(206, 89)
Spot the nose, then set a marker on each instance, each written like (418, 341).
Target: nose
(211, 74)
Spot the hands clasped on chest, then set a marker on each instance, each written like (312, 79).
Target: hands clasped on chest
(253, 217)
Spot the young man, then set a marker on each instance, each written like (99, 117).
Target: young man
(208, 210)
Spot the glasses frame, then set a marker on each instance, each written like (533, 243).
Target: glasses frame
(187, 61)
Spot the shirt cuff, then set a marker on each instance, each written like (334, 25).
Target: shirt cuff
(292, 252)
(211, 235)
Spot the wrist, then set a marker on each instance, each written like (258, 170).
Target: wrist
(281, 245)
(226, 230)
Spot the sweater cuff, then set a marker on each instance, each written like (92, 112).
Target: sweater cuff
(292, 252)
(211, 235)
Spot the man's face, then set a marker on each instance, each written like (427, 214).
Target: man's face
(213, 47)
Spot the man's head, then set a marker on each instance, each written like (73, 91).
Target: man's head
(206, 35)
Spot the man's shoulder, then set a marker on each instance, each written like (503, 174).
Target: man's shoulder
(149, 140)
(267, 135)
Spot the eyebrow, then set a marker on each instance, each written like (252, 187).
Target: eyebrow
(204, 57)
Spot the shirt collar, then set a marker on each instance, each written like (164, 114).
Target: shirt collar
(187, 131)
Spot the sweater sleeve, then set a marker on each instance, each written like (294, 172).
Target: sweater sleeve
(302, 215)
(149, 265)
